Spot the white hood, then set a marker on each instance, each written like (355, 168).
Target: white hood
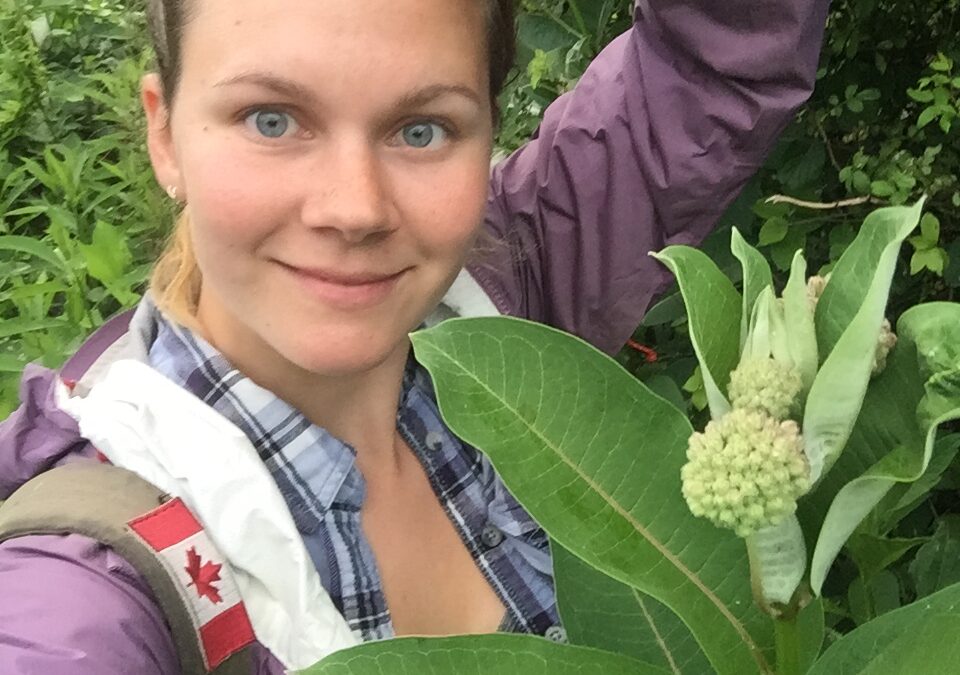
(143, 422)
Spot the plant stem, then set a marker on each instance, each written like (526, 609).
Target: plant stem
(578, 15)
(788, 646)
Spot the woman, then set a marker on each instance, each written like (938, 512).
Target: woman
(332, 160)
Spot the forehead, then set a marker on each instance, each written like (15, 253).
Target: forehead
(335, 40)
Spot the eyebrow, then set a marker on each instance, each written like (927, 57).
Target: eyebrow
(290, 89)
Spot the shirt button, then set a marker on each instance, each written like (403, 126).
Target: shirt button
(556, 634)
(434, 440)
(491, 536)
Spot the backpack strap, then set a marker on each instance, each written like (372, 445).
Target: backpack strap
(91, 349)
(164, 543)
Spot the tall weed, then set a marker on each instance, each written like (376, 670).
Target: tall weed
(81, 217)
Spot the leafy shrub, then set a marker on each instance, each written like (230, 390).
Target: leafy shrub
(881, 127)
(80, 215)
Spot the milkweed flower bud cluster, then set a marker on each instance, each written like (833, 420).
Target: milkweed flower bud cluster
(765, 385)
(745, 471)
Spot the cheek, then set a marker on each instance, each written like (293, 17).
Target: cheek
(449, 207)
(233, 198)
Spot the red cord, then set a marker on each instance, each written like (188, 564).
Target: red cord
(649, 354)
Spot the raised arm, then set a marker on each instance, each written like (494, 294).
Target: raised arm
(658, 137)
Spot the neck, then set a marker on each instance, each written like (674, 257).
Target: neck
(359, 408)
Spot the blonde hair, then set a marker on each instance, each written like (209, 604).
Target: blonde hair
(176, 279)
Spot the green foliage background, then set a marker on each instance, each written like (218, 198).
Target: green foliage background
(81, 218)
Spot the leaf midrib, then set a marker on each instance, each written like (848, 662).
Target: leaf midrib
(656, 633)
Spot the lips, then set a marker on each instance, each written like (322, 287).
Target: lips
(345, 290)
(344, 278)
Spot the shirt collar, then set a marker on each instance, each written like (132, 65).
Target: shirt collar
(313, 468)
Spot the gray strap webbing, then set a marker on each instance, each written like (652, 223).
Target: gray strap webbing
(97, 501)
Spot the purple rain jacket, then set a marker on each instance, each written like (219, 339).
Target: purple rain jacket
(657, 139)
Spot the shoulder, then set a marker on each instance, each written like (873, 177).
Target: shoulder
(72, 605)
(40, 435)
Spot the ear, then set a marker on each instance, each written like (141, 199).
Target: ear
(163, 155)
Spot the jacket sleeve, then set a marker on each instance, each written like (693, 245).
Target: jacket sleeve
(659, 136)
(70, 606)
(38, 436)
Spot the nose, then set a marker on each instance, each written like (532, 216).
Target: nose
(347, 192)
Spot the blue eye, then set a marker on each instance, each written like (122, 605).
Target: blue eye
(423, 134)
(271, 123)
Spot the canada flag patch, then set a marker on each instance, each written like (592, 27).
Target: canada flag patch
(205, 582)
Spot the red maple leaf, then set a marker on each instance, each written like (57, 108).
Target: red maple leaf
(203, 576)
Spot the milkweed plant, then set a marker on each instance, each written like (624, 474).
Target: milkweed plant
(682, 550)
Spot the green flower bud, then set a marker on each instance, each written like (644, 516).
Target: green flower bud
(717, 487)
(885, 344)
(765, 385)
(815, 286)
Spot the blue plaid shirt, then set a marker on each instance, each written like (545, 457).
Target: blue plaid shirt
(318, 477)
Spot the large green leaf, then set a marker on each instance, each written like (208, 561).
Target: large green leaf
(477, 655)
(918, 638)
(595, 457)
(599, 611)
(714, 312)
(854, 302)
(11, 364)
(929, 335)
(596, 13)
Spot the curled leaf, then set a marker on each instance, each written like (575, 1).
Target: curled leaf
(713, 310)
(756, 277)
(800, 329)
(778, 559)
(848, 320)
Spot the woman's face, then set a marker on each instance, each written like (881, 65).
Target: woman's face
(334, 159)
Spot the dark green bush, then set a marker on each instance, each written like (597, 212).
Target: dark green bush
(80, 215)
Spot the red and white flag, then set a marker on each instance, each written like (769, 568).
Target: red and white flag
(206, 584)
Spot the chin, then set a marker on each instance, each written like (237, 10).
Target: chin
(344, 355)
